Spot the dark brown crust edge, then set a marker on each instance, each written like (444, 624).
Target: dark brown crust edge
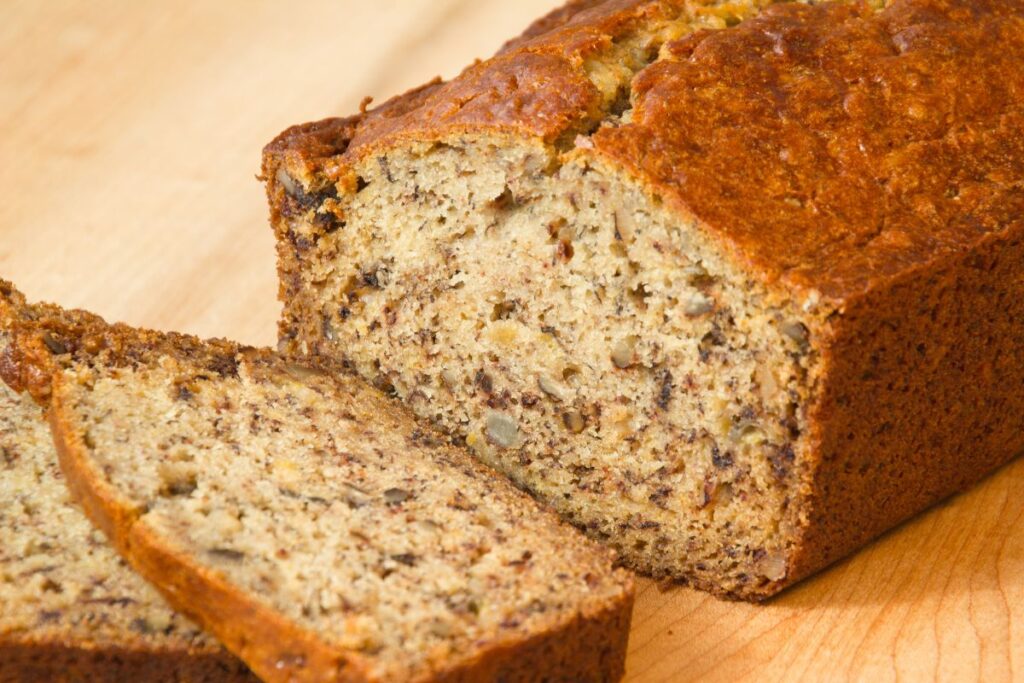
(590, 647)
(55, 662)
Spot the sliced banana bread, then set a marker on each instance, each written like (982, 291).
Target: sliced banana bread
(71, 610)
(733, 293)
(312, 525)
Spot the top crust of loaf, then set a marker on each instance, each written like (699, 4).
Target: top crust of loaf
(828, 148)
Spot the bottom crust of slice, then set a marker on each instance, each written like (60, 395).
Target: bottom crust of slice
(75, 663)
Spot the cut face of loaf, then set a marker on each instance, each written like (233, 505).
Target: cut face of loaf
(585, 344)
(715, 298)
(70, 608)
(313, 527)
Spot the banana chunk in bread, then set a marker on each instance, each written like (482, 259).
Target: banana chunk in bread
(734, 289)
(71, 610)
(311, 524)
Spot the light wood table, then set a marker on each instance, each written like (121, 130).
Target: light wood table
(130, 135)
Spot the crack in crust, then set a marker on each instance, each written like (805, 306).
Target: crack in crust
(783, 153)
(568, 73)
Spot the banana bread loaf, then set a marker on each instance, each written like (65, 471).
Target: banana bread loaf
(71, 611)
(312, 525)
(734, 289)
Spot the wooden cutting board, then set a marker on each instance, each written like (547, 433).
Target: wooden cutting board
(129, 140)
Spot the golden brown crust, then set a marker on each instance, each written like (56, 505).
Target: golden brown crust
(556, 18)
(536, 86)
(924, 399)
(582, 651)
(783, 155)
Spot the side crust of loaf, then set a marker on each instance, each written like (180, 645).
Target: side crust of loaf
(921, 396)
(53, 662)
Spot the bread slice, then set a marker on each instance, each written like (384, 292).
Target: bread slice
(734, 289)
(311, 524)
(70, 609)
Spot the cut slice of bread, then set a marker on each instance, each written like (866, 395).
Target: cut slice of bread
(70, 608)
(313, 526)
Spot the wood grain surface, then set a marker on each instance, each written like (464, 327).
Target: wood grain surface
(130, 135)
